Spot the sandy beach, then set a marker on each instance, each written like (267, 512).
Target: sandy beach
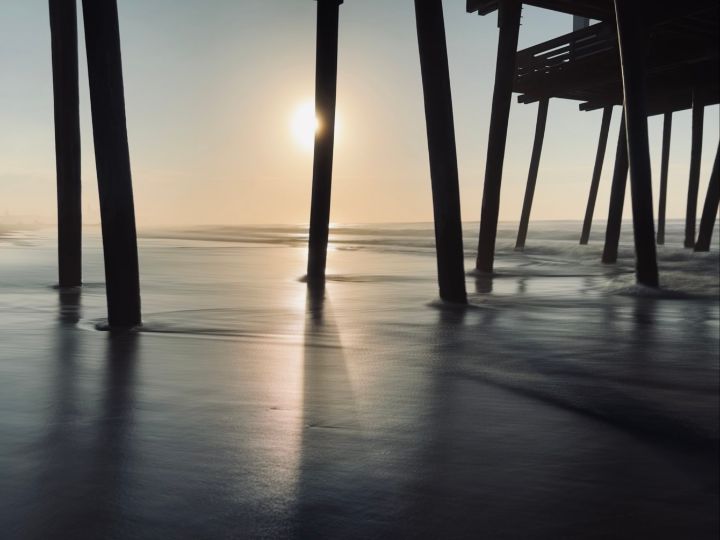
(565, 402)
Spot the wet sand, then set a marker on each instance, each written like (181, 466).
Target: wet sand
(564, 403)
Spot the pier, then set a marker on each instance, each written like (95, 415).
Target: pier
(600, 65)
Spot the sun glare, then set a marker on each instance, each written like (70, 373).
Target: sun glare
(305, 124)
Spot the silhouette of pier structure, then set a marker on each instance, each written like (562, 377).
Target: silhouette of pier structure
(112, 157)
(648, 57)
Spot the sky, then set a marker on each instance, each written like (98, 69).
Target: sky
(212, 88)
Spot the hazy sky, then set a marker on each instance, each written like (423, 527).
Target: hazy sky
(212, 86)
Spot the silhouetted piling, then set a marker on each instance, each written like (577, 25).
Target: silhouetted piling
(694, 180)
(64, 43)
(532, 175)
(632, 40)
(442, 150)
(617, 198)
(509, 23)
(325, 99)
(667, 132)
(597, 172)
(112, 160)
(712, 202)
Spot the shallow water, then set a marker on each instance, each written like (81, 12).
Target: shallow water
(564, 402)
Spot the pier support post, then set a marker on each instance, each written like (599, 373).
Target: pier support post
(328, 12)
(597, 172)
(112, 160)
(532, 174)
(694, 180)
(441, 147)
(617, 198)
(64, 43)
(667, 132)
(509, 23)
(712, 201)
(632, 40)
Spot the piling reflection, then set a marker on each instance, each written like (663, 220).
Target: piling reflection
(332, 445)
(85, 451)
(437, 479)
(109, 462)
(59, 462)
(70, 309)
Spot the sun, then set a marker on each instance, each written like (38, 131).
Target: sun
(305, 124)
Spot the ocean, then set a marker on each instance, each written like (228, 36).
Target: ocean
(564, 402)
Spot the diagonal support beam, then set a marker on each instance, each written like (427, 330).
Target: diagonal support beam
(694, 180)
(710, 209)
(532, 174)
(617, 198)
(441, 147)
(597, 172)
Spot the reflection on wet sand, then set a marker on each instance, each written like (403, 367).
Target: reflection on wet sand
(555, 406)
(83, 459)
(332, 440)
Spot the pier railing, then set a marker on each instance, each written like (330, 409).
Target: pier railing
(565, 61)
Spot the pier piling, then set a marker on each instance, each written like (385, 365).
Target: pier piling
(442, 149)
(532, 175)
(328, 12)
(509, 12)
(667, 132)
(617, 198)
(694, 180)
(632, 40)
(64, 44)
(597, 172)
(712, 201)
(112, 160)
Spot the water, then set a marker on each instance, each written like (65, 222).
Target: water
(564, 402)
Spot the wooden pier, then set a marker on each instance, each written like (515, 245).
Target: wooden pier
(649, 58)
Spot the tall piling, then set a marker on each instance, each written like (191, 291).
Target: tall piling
(509, 12)
(532, 174)
(617, 198)
(694, 179)
(632, 40)
(112, 160)
(597, 172)
(441, 148)
(66, 102)
(710, 208)
(328, 12)
(664, 166)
